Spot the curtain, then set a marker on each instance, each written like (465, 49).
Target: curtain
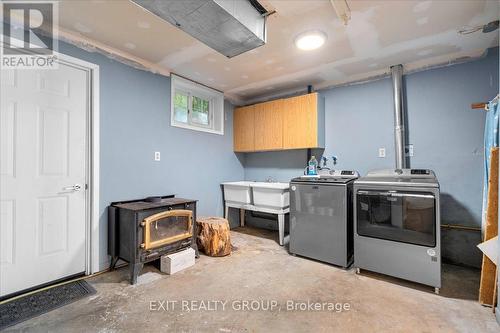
(491, 139)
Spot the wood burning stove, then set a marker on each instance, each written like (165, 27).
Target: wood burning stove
(141, 231)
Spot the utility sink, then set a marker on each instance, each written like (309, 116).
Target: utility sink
(271, 195)
(260, 194)
(277, 186)
(238, 192)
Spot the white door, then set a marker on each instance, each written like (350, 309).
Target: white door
(43, 129)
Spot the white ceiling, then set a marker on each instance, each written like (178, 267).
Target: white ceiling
(380, 34)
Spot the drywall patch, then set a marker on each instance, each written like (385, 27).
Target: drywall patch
(111, 53)
(331, 73)
(186, 55)
(422, 6)
(144, 24)
(92, 45)
(422, 20)
(363, 36)
(342, 80)
(345, 70)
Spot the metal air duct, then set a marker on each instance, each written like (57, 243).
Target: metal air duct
(399, 116)
(229, 27)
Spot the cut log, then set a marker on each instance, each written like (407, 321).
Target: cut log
(213, 236)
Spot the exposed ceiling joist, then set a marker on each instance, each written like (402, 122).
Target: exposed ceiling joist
(342, 9)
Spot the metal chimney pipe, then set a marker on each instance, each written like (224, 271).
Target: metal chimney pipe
(399, 116)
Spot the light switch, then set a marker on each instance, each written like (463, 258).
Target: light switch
(381, 152)
(157, 155)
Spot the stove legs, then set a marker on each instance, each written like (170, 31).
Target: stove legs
(135, 269)
(194, 246)
(113, 263)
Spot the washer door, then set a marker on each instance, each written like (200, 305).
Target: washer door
(408, 217)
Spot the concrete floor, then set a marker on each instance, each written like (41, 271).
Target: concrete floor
(262, 270)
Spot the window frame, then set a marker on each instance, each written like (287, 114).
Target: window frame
(215, 105)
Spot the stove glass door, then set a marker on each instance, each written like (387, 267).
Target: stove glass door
(167, 227)
(408, 217)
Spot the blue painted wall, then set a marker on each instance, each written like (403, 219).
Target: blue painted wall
(446, 133)
(134, 123)
(280, 165)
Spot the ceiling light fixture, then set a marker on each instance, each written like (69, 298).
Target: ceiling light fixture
(310, 40)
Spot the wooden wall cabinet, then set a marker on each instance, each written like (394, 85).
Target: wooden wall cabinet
(304, 122)
(268, 123)
(290, 123)
(243, 129)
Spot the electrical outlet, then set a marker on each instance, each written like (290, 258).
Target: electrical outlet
(157, 155)
(381, 152)
(409, 150)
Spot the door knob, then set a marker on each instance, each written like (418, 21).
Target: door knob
(76, 187)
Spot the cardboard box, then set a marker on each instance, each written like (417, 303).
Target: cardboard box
(178, 261)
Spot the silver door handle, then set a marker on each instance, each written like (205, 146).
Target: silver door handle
(76, 188)
(412, 195)
(385, 194)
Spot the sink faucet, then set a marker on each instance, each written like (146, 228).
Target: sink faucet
(270, 180)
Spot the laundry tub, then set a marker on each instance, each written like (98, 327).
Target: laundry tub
(238, 192)
(271, 195)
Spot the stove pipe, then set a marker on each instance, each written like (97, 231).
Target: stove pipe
(399, 115)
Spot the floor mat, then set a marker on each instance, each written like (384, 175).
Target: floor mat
(33, 305)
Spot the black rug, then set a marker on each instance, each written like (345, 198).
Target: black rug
(30, 306)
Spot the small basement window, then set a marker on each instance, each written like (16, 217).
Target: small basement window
(196, 107)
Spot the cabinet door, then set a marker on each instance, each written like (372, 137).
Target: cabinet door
(243, 129)
(300, 125)
(269, 125)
